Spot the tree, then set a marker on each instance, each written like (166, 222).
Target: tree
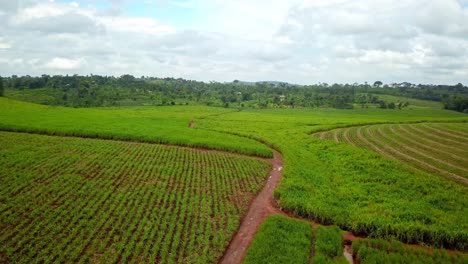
(378, 84)
(382, 104)
(2, 90)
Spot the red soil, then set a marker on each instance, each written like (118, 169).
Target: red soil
(262, 206)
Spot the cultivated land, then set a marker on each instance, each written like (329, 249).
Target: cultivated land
(440, 148)
(381, 251)
(281, 240)
(88, 200)
(354, 188)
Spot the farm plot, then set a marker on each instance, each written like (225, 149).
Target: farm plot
(381, 251)
(88, 200)
(434, 147)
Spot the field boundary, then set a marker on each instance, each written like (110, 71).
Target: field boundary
(123, 139)
(376, 144)
(340, 125)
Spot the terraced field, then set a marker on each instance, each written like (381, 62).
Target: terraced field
(440, 148)
(88, 200)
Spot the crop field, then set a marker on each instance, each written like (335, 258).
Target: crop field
(333, 184)
(88, 200)
(438, 148)
(282, 239)
(164, 125)
(354, 188)
(380, 251)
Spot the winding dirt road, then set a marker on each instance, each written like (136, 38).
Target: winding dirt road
(262, 206)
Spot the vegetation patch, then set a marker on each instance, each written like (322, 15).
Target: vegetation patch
(167, 125)
(328, 245)
(380, 251)
(87, 200)
(281, 240)
(432, 147)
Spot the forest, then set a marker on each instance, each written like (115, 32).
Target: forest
(127, 90)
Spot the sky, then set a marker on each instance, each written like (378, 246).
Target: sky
(296, 41)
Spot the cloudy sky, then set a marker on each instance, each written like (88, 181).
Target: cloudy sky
(299, 41)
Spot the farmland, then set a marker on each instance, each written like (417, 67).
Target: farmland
(281, 240)
(88, 200)
(330, 183)
(233, 132)
(354, 188)
(440, 148)
(381, 251)
(167, 125)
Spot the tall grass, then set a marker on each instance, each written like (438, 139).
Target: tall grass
(281, 240)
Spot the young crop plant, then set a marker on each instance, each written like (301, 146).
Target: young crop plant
(88, 200)
(349, 186)
(328, 245)
(281, 240)
(431, 147)
(380, 251)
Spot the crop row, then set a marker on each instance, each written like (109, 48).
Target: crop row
(283, 239)
(86, 200)
(431, 147)
(161, 126)
(381, 251)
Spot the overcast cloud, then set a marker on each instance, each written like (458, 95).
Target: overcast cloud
(421, 41)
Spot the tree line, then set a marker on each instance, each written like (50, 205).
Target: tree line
(96, 90)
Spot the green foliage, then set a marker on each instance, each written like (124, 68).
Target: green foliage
(433, 147)
(87, 200)
(281, 240)
(353, 188)
(95, 90)
(456, 102)
(157, 125)
(356, 189)
(328, 241)
(368, 251)
(2, 89)
(328, 245)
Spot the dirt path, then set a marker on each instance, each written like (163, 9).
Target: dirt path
(262, 206)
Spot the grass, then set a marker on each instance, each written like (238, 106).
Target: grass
(328, 245)
(413, 103)
(281, 240)
(285, 240)
(332, 183)
(368, 251)
(87, 200)
(39, 96)
(356, 189)
(167, 125)
(432, 147)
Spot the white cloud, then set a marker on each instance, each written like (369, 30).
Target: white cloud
(62, 64)
(4, 44)
(301, 41)
(135, 24)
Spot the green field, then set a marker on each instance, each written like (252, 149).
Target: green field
(285, 240)
(281, 240)
(353, 188)
(356, 189)
(87, 200)
(413, 103)
(380, 251)
(439, 148)
(328, 245)
(167, 125)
